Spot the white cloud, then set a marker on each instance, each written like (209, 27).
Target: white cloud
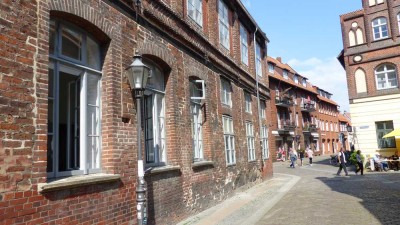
(246, 3)
(327, 74)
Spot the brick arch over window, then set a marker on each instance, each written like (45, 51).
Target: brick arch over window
(360, 80)
(88, 13)
(151, 50)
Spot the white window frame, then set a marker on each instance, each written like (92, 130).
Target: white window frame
(385, 73)
(223, 17)
(203, 90)
(155, 118)
(195, 11)
(258, 60)
(250, 141)
(244, 45)
(89, 113)
(229, 140)
(381, 26)
(264, 141)
(247, 100)
(197, 123)
(226, 92)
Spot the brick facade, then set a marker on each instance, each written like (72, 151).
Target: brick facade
(163, 34)
(372, 52)
(372, 70)
(299, 110)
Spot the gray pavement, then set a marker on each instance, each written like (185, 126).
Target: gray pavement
(311, 195)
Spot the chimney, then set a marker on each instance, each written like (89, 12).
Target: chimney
(279, 59)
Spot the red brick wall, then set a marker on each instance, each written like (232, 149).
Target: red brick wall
(373, 53)
(172, 195)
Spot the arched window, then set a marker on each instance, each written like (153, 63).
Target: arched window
(352, 38)
(74, 107)
(386, 77)
(380, 28)
(361, 84)
(154, 117)
(360, 37)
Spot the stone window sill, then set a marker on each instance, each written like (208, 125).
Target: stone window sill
(77, 181)
(202, 164)
(164, 169)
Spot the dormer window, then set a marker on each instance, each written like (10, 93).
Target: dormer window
(271, 67)
(285, 74)
(304, 82)
(296, 79)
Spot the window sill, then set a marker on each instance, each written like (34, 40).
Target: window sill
(202, 164)
(77, 181)
(164, 169)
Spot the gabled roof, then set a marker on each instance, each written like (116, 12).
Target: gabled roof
(276, 75)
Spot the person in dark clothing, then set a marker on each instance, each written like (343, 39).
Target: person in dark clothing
(301, 156)
(342, 162)
(359, 163)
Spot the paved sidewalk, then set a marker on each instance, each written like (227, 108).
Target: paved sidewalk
(240, 209)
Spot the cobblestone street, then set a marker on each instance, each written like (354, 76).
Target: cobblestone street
(321, 197)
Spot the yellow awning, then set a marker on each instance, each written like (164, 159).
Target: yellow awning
(392, 134)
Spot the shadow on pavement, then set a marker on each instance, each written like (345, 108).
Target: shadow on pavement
(378, 193)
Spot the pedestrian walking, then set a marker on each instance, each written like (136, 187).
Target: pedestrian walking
(293, 157)
(310, 155)
(359, 163)
(342, 162)
(301, 156)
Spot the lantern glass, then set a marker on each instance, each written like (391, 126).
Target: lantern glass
(138, 73)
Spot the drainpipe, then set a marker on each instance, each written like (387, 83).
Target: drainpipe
(258, 97)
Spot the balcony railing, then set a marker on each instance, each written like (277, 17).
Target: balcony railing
(286, 125)
(308, 107)
(284, 101)
(310, 128)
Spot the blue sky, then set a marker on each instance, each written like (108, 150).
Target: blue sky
(307, 35)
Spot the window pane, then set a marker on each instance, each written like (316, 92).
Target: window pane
(389, 125)
(68, 122)
(93, 54)
(93, 89)
(71, 44)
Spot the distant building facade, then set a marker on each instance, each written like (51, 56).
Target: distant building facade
(371, 58)
(303, 115)
(68, 150)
